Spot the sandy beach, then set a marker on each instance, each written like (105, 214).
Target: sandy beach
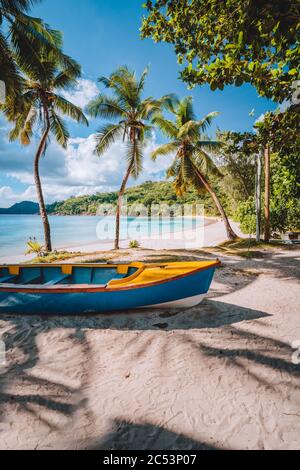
(222, 375)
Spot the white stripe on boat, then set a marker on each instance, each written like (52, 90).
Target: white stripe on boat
(181, 303)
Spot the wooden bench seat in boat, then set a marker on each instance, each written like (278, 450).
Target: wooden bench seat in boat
(57, 280)
(6, 279)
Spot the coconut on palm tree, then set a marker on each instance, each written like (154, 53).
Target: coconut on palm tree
(38, 110)
(21, 39)
(192, 163)
(131, 114)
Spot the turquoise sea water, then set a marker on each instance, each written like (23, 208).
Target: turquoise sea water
(68, 231)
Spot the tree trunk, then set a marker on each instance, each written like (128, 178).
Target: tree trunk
(38, 185)
(267, 234)
(119, 205)
(230, 233)
(258, 196)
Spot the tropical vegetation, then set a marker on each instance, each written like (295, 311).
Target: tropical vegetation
(192, 162)
(147, 194)
(40, 105)
(131, 114)
(21, 39)
(231, 42)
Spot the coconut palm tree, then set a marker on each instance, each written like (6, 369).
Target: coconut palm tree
(21, 38)
(39, 110)
(192, 163)
(131, 114)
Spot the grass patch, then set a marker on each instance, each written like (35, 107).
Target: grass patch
(249, 254)
(242, 243)
(249, 248)
(252, 243)
(55, 256)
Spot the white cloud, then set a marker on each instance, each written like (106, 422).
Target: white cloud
(75, 171)
(8, 197)
(84, 91)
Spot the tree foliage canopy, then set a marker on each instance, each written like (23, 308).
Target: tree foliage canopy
(280, 130)
(231, 42)
(129, 111)
(22, 38)
(187, 141)
(237, 159)
(41, 100)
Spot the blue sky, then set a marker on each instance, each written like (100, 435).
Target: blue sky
(101, 35)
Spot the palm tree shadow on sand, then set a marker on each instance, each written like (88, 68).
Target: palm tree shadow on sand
(23, 383)
(22, 389)
(53, 399)
(126, 435)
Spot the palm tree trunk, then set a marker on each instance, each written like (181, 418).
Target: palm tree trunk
(119, 205)
(230, 233)
(258, 196)
(38, 185)
(267, 234)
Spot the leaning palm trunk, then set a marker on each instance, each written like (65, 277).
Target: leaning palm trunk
(230, 233)
(38, 185)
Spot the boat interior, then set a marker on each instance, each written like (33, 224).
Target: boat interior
(65, 274)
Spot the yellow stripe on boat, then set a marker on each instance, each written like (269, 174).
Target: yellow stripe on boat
(148, 274)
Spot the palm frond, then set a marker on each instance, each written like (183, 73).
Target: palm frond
(174, 169)
(64, 80)
(106, 107)
(165, 149)
(31, 39)
(205, 163)
(135, 157)
(106, 136)
(187, 168)
(59, 129)
(148, 108)
(166, 126)
(9, 73)
(15, 132)
(206, 122)
(180, 184)
(194, 128)
(69, 109)
(124, 84)
(190, 129)
(142, 80)
(184, 111)
(23, 124)
(170, 102)
(15, 7)
(209, 145)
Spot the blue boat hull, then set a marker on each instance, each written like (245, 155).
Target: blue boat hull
(193, 286)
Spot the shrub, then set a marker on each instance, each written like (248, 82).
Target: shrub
(34, 247)
(245, 214)
(134, 244)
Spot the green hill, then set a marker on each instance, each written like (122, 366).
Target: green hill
(22, 208)
(147, 193)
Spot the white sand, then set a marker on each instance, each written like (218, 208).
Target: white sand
(219, 375)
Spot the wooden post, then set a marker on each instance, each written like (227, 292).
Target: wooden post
(258, 196)
(267, 234)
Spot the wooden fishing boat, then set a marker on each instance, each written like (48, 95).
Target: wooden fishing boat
(87, 288)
